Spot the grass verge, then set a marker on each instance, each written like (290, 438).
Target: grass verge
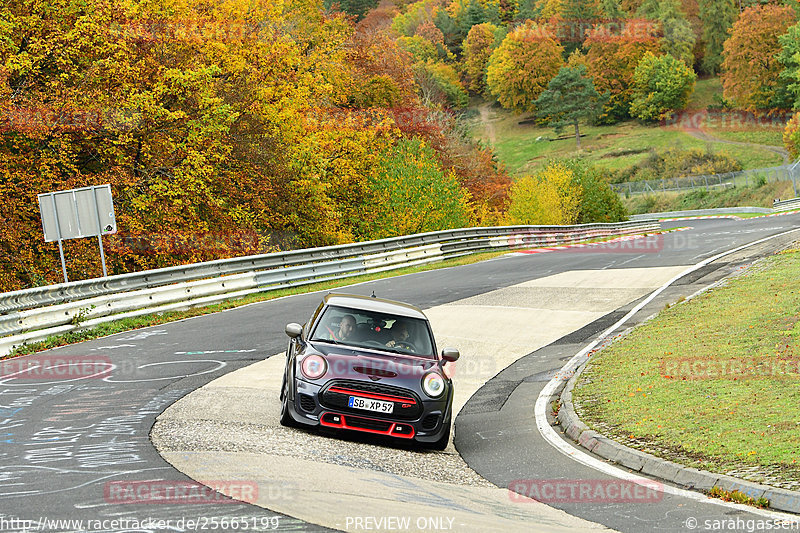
(713, 382)
(127, 324)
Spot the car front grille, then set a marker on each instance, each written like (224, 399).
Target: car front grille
(407, 405)
(366, 423)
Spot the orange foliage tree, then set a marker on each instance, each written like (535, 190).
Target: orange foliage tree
(612, 58)
(750, 67)
(521, 67)
(209, 123)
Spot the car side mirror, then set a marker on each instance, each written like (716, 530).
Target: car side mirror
(293, 330)
(450, 355)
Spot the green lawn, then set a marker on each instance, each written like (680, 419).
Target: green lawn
(762, 135)
(704, 92)
(524, 148)
(712, 382)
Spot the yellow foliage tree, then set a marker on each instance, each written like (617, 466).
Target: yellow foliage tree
(550, 197)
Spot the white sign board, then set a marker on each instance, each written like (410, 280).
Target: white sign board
(84, 212)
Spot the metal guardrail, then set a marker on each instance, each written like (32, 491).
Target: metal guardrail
(786, 205)
(777, 207)
(33, 314)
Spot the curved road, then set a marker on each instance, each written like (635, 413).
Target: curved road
(76, 440)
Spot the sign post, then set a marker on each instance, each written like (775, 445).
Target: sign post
(77, 213)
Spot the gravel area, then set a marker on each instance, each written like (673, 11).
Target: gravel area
(244, 420)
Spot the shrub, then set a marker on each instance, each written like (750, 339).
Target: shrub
(551, 197)
(674, 162)
(565, 192)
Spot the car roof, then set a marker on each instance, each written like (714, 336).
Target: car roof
(369, 303)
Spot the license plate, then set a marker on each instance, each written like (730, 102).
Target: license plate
(370, 405)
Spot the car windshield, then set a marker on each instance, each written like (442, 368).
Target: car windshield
(365, 329)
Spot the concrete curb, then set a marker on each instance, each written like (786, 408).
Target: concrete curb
(684, 476)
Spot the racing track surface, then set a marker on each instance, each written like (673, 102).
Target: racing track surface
(68, 443)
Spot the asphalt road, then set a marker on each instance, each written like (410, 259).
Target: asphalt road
(76, 445)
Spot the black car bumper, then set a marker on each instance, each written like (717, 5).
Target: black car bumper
(429, 424)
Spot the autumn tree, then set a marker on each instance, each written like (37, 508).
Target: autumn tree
(205, 120)
(413, 194)
(599, 203)
(551, 197)
(570, 97)
(791, 136)
(661, 85)
(612, 59)
(481, 41)
(406, 23)
(439, 84)
(717, 17)
(519, 70)
(750, 67)
(529, 10)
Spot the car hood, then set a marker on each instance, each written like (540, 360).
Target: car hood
(347, 363)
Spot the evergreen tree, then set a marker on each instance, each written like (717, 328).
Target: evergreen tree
(611, 9)
(577, 17)
(453, 36)
(569, 98)
(529, 10)
(789, 57)
(358, 8)
(677, 35)
(717, 17)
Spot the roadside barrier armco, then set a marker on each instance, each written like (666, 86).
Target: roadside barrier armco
(31, 315)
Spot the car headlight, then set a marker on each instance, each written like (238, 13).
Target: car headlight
(314, 366)
(433, 384)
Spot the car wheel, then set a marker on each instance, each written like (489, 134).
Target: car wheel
(442, 443)
(286, 417)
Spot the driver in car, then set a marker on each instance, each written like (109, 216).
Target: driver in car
(400, 335)
(347, 326)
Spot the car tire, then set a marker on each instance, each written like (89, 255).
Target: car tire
(442, 443)
(286, 417)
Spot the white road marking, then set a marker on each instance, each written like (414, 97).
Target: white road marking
(550, 435)
(220, 366)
